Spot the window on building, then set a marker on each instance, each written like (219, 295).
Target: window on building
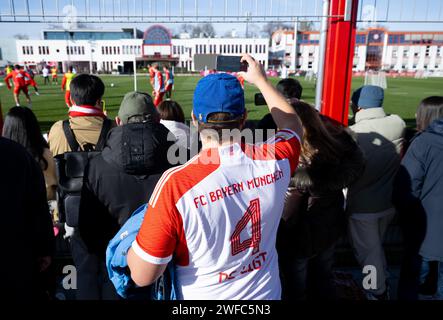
(310, 65)
(427, 51)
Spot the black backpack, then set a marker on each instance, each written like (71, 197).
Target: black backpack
(70, 167)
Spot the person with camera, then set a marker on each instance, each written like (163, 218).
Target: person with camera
(199, 213)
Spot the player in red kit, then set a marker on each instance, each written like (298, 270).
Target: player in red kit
(21, 80)
(151, 75)
(159, 86)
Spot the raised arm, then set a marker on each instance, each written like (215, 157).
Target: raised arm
(283, 114)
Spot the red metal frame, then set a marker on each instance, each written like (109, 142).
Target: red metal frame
(340, 46)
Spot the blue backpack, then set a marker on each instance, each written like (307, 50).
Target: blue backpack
(163, 289)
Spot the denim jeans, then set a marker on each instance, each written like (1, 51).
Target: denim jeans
(416, 270)
(432, 270)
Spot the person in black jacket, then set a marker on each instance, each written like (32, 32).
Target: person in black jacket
(418, 197)
(314, 215)
(27, 235)
(122, 177)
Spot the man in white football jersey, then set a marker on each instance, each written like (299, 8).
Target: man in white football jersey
(217, 215)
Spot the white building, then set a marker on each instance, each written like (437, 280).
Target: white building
(116, 50)
(186, 49)
(376, 49)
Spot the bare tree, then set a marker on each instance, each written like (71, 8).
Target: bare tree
(186, 28)
(21, 36)
(196, 31)
(306, 26)
(269, 28)
(208, 30)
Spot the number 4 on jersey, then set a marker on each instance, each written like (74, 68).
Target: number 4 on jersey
(252, 214)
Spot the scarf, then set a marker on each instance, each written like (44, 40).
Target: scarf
(85, 111)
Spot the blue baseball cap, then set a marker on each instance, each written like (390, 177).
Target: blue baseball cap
(220, 92)
(368, 97)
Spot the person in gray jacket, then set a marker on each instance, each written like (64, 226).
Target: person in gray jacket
(369, 204)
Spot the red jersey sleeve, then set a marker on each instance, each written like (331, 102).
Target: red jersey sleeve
(287, 146)
(161, 235)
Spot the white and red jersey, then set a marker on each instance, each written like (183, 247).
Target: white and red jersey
(217, 217)
(159, 85)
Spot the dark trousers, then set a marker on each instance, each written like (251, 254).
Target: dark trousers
(308, 278)
(92, 277)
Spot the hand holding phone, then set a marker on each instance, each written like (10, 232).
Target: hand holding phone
(231, 64)
(255, 72)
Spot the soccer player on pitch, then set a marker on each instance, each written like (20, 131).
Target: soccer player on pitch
(66, 82)
(159, 85)
(54, 75)
(21, 80)
(199, 213)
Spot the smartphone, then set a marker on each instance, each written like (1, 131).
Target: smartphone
(259, 100)
(230, 64)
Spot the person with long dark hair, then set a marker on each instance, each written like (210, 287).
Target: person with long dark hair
(22, 126)
(314, 216)
(173, 118)
(418, 197)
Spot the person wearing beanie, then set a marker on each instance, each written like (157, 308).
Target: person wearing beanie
(369, 204)
(121, 179)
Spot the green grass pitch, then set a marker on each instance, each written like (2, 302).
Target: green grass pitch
(402, 96)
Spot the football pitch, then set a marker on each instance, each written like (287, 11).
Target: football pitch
(402, 96)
